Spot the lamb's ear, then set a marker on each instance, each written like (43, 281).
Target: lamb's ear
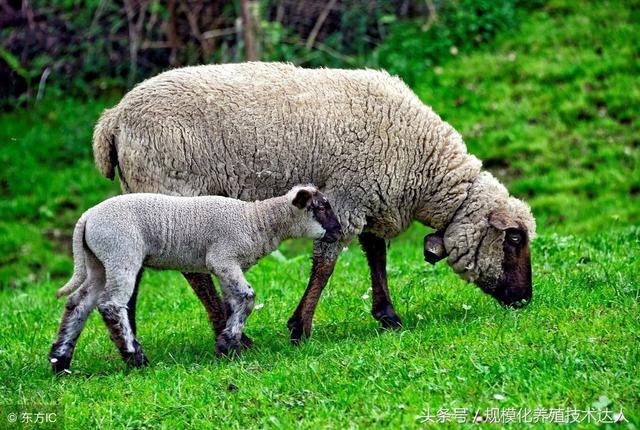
(502, 220)
(301, 199)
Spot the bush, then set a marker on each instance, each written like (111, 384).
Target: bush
(415, 45)
(86, 47)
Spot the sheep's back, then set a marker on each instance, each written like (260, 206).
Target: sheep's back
(253, 130)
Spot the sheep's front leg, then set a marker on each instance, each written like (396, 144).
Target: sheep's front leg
(239, 296)
(325, 256)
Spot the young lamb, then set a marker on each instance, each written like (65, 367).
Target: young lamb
(115, 239)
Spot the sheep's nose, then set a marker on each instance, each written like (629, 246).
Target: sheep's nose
(518, 304)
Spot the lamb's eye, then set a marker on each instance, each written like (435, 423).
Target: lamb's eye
(514, 237)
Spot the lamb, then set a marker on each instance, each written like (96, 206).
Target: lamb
(219, 235)
(381, 156)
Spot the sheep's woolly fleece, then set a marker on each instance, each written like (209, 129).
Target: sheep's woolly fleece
(253, 130)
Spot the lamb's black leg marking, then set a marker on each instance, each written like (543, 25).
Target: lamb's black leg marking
(245, 340)
(116, 319)
(217, 311)
(76, 311)
(376, 251)
(112, 304)
(325, 256)
(240, 298)
(131, 306)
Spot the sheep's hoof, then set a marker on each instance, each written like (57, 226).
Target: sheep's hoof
(228, 347)
(246, 341)
(390, 322)
(60, 365)
(388, 319)
(297, 330)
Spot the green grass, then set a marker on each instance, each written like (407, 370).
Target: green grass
(552, 109)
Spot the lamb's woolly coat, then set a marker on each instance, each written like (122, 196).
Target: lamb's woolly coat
(252, 130)
(190, 234)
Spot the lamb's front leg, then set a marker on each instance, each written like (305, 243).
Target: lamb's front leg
(240, 296)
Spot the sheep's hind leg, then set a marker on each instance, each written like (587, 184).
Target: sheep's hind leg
(240, 298)
(382, 310)
(112, 305)
(217, 310)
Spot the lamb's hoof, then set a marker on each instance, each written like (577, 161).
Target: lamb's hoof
(297, 331)
(136, 358)
(246, 341)
(388, 319)
(227, 347)
(60, 365)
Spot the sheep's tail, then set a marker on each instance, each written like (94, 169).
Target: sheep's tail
(104, 149)
(79, 260)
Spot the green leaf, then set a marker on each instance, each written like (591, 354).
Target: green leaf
(13, 62)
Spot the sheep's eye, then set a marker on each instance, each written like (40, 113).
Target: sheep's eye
(514, 237)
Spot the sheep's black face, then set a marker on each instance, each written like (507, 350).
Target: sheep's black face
(323, 213)
(513, 288)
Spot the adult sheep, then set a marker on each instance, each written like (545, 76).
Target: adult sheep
(253, 130)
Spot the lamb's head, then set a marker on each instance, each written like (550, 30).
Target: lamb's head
(487, 242)
(315, 214)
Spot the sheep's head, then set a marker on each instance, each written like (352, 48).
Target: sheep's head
(319, 219)
(487, 242)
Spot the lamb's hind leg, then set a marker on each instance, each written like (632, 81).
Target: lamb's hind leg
(76, 311)
(119, 288)
(239, 296)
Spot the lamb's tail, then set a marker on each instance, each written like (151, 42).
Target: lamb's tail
(104, 149)
(79, 260)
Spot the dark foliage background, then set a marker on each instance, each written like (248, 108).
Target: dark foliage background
(86, 47)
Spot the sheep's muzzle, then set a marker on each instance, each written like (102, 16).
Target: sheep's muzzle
(514, 288)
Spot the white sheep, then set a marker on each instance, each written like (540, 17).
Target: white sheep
(219, 235)
(382, 157)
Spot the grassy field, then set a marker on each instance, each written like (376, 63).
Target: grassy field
(552, 109)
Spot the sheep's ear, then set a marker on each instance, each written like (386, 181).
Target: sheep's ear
(302, 198)
(434, 250)
(502, 220)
